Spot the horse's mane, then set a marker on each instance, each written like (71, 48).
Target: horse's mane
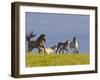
(41, 37)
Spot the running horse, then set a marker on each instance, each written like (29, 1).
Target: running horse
(39, 43)
(63, 46)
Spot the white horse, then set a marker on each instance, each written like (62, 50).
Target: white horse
(74, 45)
(50, 50)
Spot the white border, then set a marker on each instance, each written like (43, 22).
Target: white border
(52, 69)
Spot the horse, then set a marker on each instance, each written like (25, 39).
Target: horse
(50, 50)
(63, 46)
(74, 45)
(39, 43)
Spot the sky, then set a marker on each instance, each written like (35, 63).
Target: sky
(59, 28)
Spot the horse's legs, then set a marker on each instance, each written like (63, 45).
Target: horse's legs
(63, 51)
(60, 50)
(29, 49)
(77, 51)
(39, 50)
(73, 50)
(44, 49)
(66, 50)
(57, 49)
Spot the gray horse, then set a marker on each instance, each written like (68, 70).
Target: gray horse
(74, 45)
(63, 46)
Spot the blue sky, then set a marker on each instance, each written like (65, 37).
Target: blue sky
(59, 28)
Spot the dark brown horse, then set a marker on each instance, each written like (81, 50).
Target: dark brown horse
(39, 43)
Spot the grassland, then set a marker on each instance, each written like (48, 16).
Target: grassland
(36, 59)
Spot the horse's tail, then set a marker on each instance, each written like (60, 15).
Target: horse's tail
(30, 35)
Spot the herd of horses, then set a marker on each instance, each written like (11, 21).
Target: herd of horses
(61, 47)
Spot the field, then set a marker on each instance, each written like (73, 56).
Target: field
(36, 59)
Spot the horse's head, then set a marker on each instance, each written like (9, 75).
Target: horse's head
(74, 38)
(41, 38)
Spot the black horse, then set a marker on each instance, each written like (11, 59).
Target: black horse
(39, 43)
(63, 46)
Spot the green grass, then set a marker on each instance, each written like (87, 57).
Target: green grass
(33, 60)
